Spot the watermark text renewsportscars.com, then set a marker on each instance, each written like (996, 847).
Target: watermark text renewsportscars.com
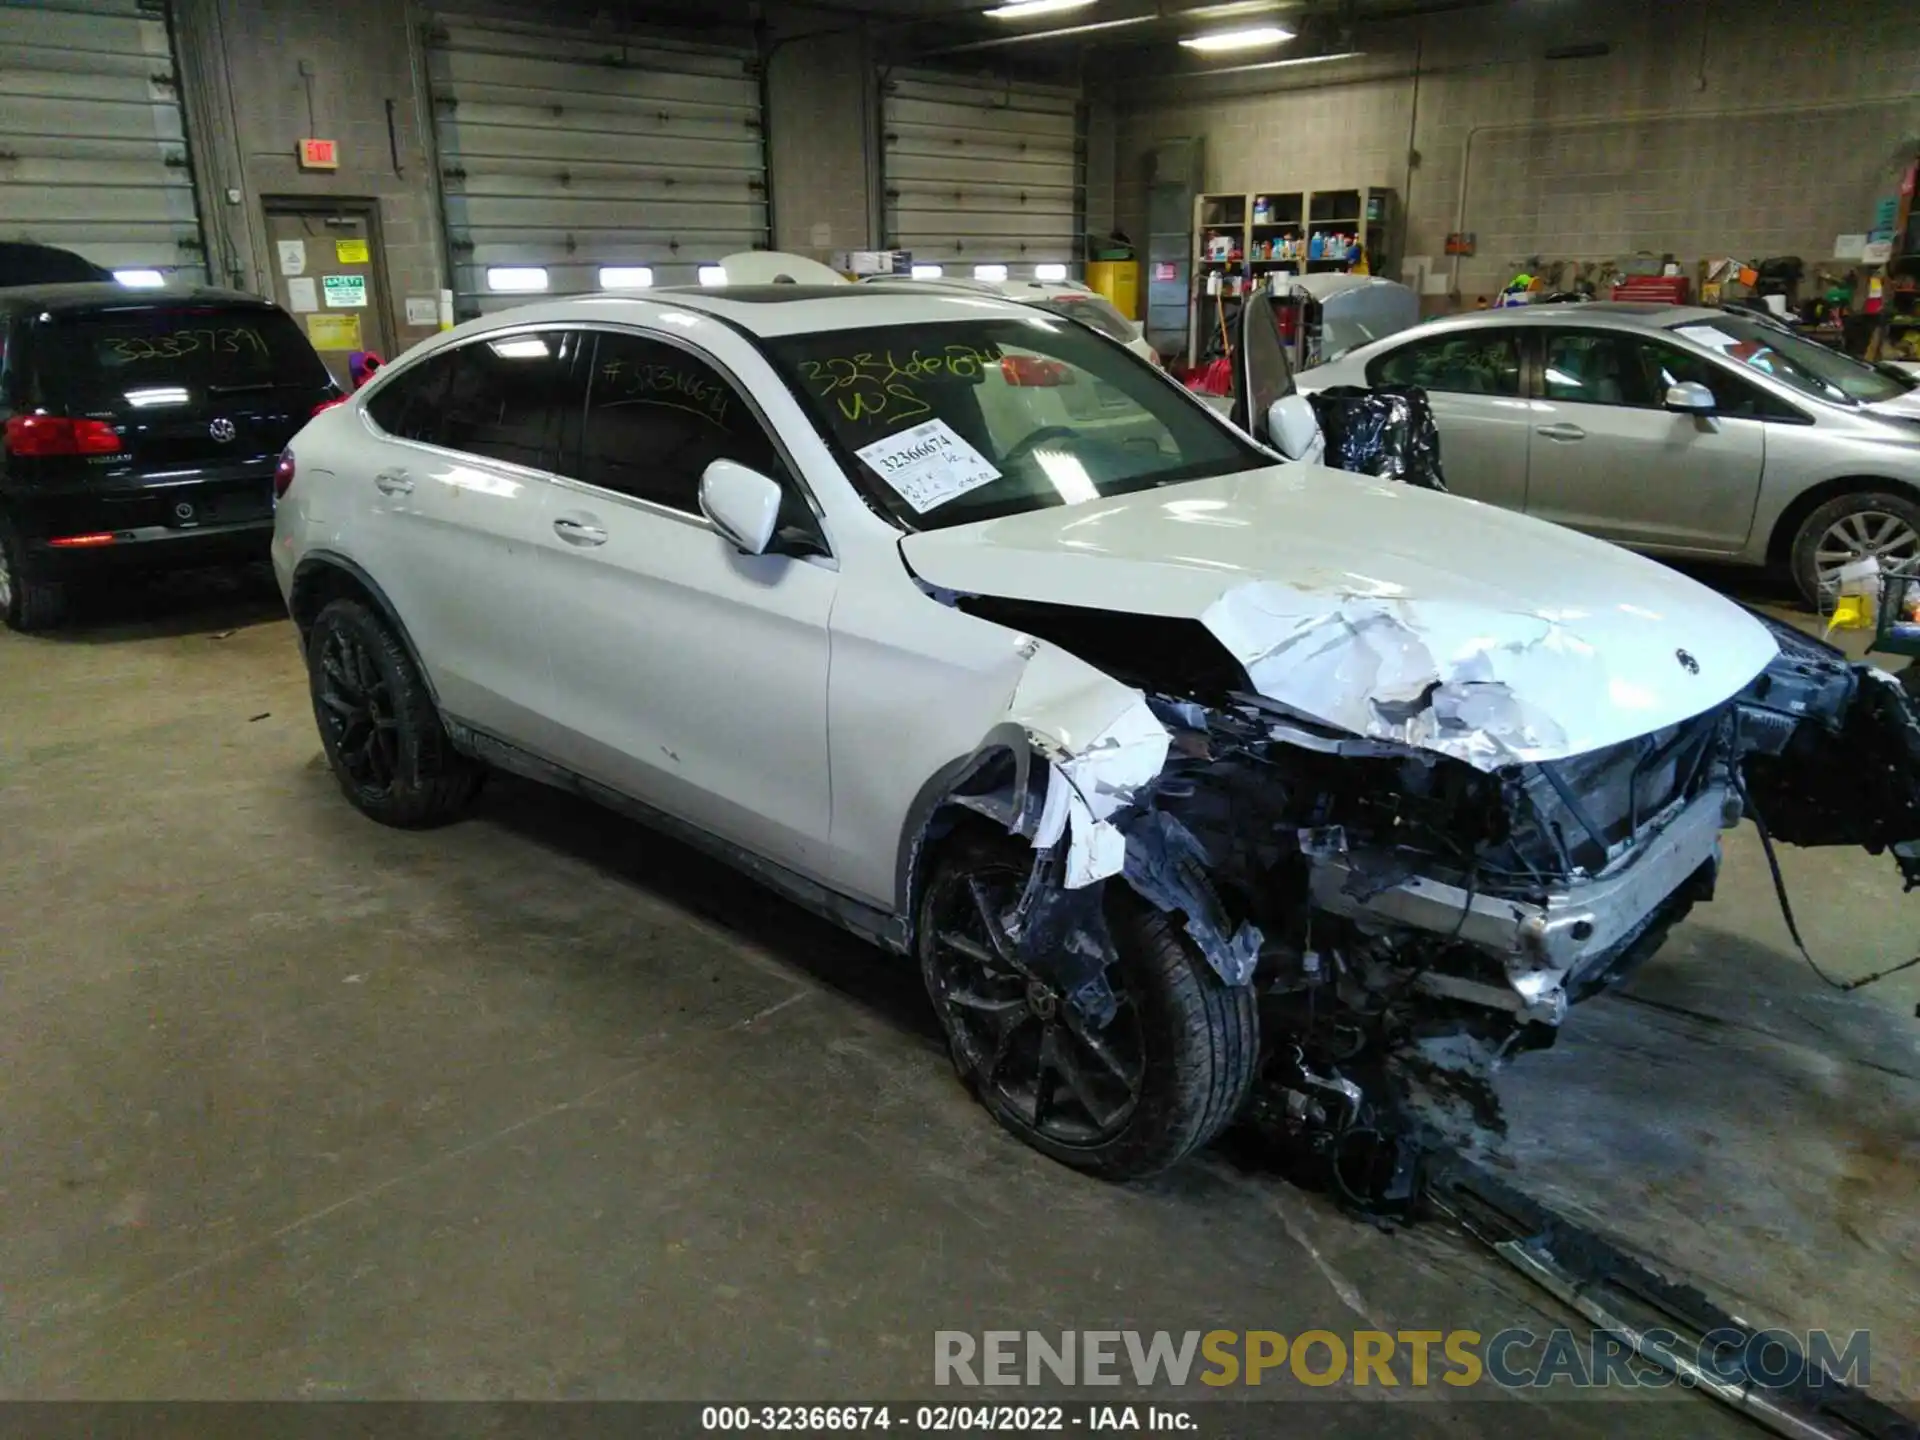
(1513, 1359)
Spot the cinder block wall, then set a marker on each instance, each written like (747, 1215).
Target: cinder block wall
(242, 68)
(1759, 129)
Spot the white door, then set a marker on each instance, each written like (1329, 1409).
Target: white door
(686, 674)
(1472, 377)
(456, 508)
(1605, 455)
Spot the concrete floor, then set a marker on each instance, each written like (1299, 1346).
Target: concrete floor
(543, 1106)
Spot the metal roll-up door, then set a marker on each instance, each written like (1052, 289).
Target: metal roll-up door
(93, 154)
(981, 171)
(573, 151)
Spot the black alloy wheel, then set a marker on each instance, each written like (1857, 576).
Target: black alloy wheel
(1033, 1056)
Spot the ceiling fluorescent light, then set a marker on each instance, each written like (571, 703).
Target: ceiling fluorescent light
(712, 275)
(1250, 38)
(989, 272)
(928, 272)
(1021, 9)
(1283, 64)
(625, 277)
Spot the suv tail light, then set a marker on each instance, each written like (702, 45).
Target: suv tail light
(1034, 370)
(283, 473)
(58, 435)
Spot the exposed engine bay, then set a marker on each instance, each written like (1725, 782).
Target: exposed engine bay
(1411, 920)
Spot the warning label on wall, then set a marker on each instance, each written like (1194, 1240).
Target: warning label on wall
(334, 332)
(350, 252)
(344, 292)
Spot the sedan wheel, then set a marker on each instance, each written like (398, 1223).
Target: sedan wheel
(1121, 1100)
(1883, 527)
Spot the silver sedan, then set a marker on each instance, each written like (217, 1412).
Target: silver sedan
(1672, 430)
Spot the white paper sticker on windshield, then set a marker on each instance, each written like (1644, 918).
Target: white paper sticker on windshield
(929, 464)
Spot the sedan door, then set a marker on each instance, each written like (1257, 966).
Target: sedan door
(1606, 456)
(1472, 376)
(686, 674)
(456, 502)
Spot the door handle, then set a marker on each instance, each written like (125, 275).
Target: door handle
(393, 482)
(1561, 432)
(579, 532)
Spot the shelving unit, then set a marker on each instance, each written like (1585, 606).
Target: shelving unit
(1247, 239)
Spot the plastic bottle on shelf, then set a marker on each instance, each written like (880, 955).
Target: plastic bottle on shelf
(1317, 246)
(1262, 212)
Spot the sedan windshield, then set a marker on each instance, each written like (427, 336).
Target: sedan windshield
(947, 423)
(1809, 368)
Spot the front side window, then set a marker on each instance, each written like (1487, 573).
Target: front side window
(1668, 365)
(657, 416)
(1480, 361)
(951, 422)
(1809, 368)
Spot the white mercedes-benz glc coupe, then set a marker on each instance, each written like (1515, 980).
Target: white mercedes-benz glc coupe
(1183, 772)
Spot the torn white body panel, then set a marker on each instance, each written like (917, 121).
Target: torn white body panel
(1102, 744)
(1350, 599)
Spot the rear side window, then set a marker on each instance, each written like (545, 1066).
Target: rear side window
(1463, 362)
(109, 359)
(502, 399)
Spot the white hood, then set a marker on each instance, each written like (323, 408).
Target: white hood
(1384, 610)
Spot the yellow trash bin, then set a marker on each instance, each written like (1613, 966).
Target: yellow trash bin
(1119, 281)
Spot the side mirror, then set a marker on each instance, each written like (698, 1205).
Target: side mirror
(743, 504)
(1690, 397)
(1292, 427)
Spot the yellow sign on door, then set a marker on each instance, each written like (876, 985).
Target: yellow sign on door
(350, 252)
(334, 332)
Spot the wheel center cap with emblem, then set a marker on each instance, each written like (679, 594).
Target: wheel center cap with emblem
(221, 430)
(183, 511)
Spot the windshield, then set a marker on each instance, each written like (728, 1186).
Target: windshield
(948, 423)
(1809, 368)
(135, 354)
(1094, 310)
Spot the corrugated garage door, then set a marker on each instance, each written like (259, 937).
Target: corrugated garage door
(981, 171)
(574, 152)
(93, 157)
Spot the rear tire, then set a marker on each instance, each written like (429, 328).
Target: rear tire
(26, 603)
(1876, 522)
(378, 724)
(1123, 1102)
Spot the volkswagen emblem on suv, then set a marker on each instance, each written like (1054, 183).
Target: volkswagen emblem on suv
(221, 430)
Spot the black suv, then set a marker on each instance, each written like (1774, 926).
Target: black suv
(142, 432)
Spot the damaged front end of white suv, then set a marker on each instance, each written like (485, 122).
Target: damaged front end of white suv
(1418, 868)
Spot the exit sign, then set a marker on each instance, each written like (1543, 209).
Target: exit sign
(319, 155)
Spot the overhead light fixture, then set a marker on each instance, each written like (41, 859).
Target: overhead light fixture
(1233, 10)
(1284, 64)
(1049, 272)
(1021, 9)
(140, 279)
(625, 277)
(989, 272)
(713, 275)
(520, 278)
(1251, 38)
(928, 272)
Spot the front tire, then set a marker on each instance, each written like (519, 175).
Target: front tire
(1166, 1075)
(1851, 527)
(26, 603)
(382, 734)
